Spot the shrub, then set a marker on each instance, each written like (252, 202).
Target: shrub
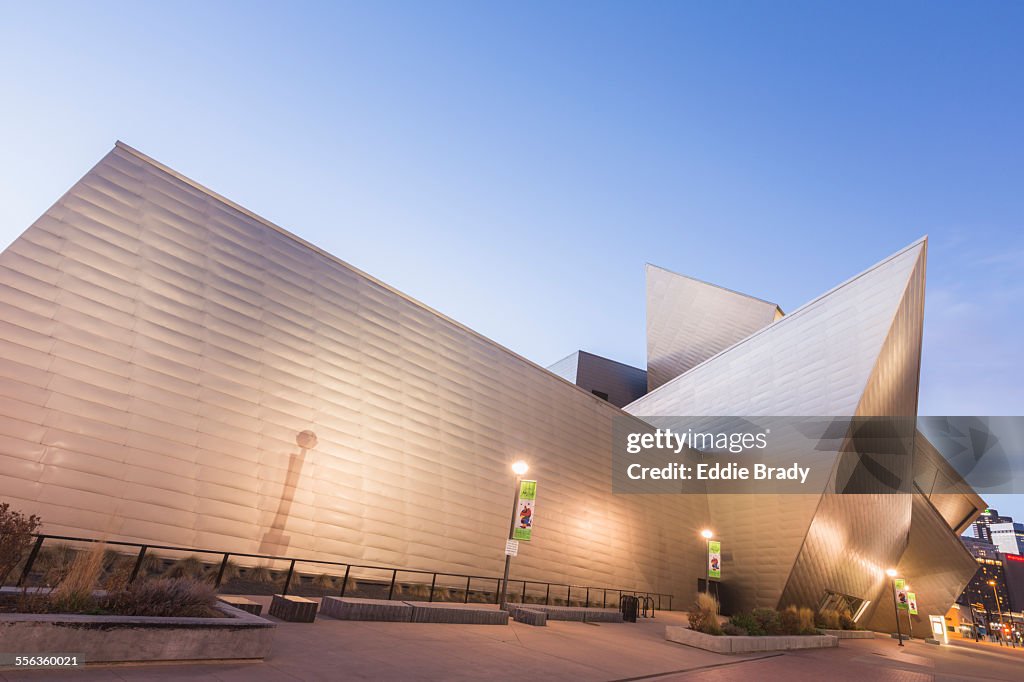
(703, 615)
(260, 574)
(827, 619)
(16, 531)
(767, 620)
(182, 597)
(807, 621)
(748, 623)
(324, 581)
(74, 593)
(189, 567)
(733, 629)
(846, 621)
(789, 621)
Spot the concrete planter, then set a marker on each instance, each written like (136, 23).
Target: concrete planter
(116, 639)
(725, 644)
(850, 634)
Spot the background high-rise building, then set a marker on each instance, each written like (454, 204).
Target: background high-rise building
(981, 526)
(1008, 537)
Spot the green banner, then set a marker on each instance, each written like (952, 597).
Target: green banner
(527, 490)
(714, 559)
(523, 528)
(901, 593)
(912, 603)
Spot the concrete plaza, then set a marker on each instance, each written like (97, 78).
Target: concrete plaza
(347, 650)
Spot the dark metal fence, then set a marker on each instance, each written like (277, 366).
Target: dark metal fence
(589, 593)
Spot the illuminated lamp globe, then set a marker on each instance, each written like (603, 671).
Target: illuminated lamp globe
(707, 534)
(520, 468)
(891, 572)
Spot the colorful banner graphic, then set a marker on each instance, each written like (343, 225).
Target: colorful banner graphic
(524, 513)
(715, 559)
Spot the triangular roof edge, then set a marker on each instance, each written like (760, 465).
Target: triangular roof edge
(711, 284)
(805, 306)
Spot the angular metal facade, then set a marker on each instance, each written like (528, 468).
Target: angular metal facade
(689, 321)
(163, 353)
(854, 351)
(176, 370)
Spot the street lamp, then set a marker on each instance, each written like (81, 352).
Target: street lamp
(707, 535)
(999, 608)
(891, 572)
(519, 468)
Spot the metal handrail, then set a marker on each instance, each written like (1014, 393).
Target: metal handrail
(144, 548)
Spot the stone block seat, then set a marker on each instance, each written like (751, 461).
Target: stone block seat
(440, 612)
(527, 616)
(575, 613)
(347, 608)
(293, 609)
(247, 605)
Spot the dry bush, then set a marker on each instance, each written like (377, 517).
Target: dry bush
(189, 567)
(789, 621)
(74, 593)
(324, 582)
(119, 572)
(827, 619)
(54, 562)
(16, 531)
(846, 621)
(181, 597)
(807, 621)
(260, 574)
(703, 615)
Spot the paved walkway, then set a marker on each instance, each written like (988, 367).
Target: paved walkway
(610, 652)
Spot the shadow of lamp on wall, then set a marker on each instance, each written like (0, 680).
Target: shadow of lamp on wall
(274, 540)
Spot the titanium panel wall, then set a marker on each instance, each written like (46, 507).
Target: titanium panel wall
(689, 321)
(818, 361)
(162, 350)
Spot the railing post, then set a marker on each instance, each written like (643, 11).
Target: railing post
(523, 600)
(220, 573)
(568, 596)
(497, 591)
(466, 600)
(288, 578)
(588, 598)
(604, 599)
(31, 560)
(547, 595)
(670, 602)
(433, 582)
(344, 582)
(138, 564)
(394, 576)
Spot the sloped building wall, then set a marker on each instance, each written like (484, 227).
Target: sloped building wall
(175, 370)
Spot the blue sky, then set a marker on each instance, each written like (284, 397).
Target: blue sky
(514, 165)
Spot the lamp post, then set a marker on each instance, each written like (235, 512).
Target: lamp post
(707, 535)
(999, 608)
(519, 469)
(895, 607)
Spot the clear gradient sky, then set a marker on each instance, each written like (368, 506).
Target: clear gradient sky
(514, 165)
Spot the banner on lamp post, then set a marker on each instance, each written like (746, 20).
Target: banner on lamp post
(901, 593)
(714, 559)
(524, 512)
(912, 603)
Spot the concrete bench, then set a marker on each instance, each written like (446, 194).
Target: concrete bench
(574, 613)
(293, 609)
(528, 616)
(247, 605)
(346, 608)
(430, 612)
